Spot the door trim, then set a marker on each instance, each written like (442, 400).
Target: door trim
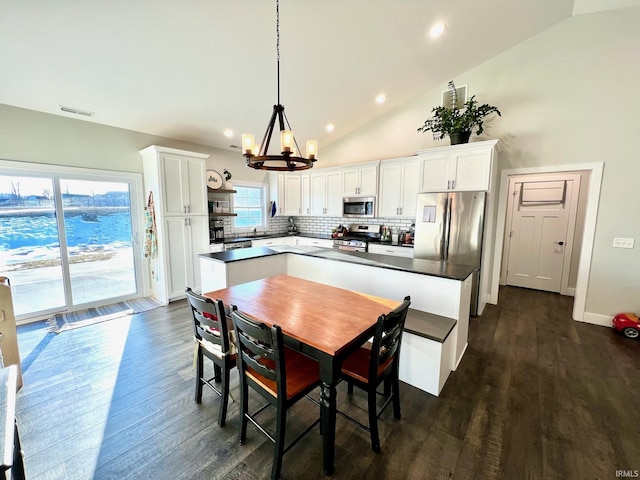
(591, 215)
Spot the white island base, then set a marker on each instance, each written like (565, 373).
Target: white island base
(425, 361)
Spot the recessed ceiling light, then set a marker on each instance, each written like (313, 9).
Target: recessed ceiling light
(437, 29)
(228, 133)
(381, 98)
(330, 127)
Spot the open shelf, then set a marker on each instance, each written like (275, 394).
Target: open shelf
(219, 190)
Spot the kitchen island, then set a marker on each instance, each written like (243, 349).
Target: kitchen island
(439, 292)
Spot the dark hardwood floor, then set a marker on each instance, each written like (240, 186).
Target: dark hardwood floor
(536, 396)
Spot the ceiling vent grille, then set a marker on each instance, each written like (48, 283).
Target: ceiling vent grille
(77, 111)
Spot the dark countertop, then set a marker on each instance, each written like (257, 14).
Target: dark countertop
(411, 265)
(429, 325)
(277, 235)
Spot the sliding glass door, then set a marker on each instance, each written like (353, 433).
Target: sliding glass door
(66, 241)
(30, 244)
(97, 226)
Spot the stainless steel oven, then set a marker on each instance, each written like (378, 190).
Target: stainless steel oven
(359, 207)
(351, 245)
(357, 238)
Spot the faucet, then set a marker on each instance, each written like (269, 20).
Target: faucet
(254, 230)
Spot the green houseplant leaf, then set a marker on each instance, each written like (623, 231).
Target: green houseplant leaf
(444, 121)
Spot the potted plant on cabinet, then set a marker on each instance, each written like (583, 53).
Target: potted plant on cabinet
(455, 122)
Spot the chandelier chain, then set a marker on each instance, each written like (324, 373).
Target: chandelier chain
(278, 44)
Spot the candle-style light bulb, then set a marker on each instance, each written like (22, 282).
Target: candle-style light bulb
(248, 143)
(286, 141)
(312, 149)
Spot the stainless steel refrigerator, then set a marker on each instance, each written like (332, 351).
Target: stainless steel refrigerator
(449, 227)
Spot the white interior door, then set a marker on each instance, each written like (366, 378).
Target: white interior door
(539, 238)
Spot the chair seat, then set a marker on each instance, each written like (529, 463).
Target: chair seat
(302, 373)
(356, 365)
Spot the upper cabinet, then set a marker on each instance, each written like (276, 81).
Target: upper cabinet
(305, 189)
(292, 194)
(360, 180)
(180, 177)
(399, 185)
(458, 167)
(325, 188)
(276, 190)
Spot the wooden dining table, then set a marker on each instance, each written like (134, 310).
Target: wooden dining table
(324, 322)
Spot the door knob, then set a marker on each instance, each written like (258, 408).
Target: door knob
(559, 243)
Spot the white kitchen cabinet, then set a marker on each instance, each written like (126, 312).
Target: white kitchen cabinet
(360, 180)
(185, 237)
(291, 240)
(396, 251)
(305, 190)
(292, 194)
(181, 180)
(268, 242)
(315, 242)
(326, 197)
(399, 186)
(216, 247)
(177, 180)
(276, 191)
(458, 167)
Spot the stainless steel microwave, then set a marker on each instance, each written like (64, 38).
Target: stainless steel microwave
(359, 207)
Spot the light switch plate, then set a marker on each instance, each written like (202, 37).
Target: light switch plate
(2, 317)
(623, 242)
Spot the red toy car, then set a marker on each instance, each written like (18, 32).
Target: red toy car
(628, 324)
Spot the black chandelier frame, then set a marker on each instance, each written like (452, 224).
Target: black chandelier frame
(286, 161)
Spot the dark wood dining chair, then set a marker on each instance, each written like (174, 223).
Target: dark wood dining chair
(211, 333)
(375, 363)
(279, 374)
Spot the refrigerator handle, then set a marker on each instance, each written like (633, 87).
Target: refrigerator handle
(447, 228)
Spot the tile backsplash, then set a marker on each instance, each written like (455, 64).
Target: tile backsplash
(326, 224)
(320, 225)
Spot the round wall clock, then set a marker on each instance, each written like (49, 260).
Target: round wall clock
(214, 180)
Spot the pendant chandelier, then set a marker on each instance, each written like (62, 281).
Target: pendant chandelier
(288, 160)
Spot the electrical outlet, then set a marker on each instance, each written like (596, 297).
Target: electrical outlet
(2, 317)
(623, 242)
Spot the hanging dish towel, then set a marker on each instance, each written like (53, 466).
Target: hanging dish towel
(150, 232)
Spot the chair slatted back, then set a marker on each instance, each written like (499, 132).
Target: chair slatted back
(209, 320)
(387, 337)
(260, 349)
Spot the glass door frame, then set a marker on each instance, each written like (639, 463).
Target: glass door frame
(56, 172)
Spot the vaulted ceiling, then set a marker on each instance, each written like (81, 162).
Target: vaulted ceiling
(191, 69)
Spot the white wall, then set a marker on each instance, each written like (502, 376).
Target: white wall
(567, 96)
(29, 136)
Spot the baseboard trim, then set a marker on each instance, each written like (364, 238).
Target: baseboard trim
(596, 319)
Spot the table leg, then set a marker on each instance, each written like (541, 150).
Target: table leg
(328, 422)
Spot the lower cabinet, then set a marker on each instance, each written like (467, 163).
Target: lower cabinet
(315, 242)
(216, 247)
(391, 250)
(184, 238)
(269, 242)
